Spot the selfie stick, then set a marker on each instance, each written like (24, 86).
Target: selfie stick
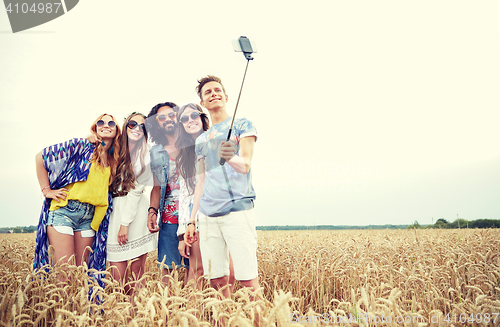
(241, 45)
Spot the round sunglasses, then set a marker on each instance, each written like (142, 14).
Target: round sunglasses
(133, 124)
(101, 123)
(162, 118)
(194, 115)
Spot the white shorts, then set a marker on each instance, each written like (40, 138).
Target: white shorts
(235, 233)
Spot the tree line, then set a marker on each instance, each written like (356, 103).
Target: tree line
(460, 223)
(19, 229)
(329, 227)
(440, 223)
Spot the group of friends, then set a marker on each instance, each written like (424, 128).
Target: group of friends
(198, 214)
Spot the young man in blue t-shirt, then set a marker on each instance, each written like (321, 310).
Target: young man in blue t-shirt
(224, 195)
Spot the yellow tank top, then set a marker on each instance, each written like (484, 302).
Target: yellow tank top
(93, 191)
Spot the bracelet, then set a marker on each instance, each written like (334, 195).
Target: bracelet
(154, 209)
(191, 224)
(48, 186)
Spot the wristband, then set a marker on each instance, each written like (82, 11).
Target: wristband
(191, 224)
(154, 209)
(48, 186)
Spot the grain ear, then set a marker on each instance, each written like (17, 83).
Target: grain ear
(328, 277)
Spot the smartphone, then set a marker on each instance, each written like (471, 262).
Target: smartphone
(243, 44)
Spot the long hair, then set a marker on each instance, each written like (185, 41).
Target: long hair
(157, 134)
(186, 159)
(111, 153)
(126, 176)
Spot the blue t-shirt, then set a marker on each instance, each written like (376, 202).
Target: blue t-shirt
(225, 190)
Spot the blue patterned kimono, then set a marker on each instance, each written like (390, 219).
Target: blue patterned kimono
(67, 163)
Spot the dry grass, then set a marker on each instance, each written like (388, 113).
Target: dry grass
(330, 275)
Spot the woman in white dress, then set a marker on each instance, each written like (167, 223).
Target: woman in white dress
(128, 235)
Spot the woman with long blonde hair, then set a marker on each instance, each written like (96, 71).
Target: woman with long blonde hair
(128, 235)
(74, 178)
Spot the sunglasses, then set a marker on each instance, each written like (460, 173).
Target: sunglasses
(101, 123)
(194, 115)
(133, 124)
(162, 118)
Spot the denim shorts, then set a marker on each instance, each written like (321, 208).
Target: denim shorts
(75, 216)
(168, 247)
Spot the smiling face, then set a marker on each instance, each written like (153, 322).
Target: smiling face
(166, 119)
(137, 133)
(191, 126)
(106, 132)
(213, 96)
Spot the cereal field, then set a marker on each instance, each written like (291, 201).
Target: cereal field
(308, 278)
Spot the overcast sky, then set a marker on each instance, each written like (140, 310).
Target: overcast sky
(368, 112)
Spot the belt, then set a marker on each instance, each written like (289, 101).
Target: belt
(114, 195)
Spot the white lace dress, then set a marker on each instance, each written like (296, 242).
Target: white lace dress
(132, 211)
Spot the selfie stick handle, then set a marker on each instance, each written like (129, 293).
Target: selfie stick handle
(222, 161)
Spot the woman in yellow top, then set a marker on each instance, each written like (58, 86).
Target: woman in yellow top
(74, 177)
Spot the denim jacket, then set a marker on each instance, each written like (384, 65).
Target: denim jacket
(159, 167)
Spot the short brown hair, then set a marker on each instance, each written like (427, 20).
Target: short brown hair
(205, 80)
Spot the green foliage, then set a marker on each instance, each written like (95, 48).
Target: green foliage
(440, 223)
(484, 223)
(459, 223)
(19, 229)
(479, 223)
(414, 225)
